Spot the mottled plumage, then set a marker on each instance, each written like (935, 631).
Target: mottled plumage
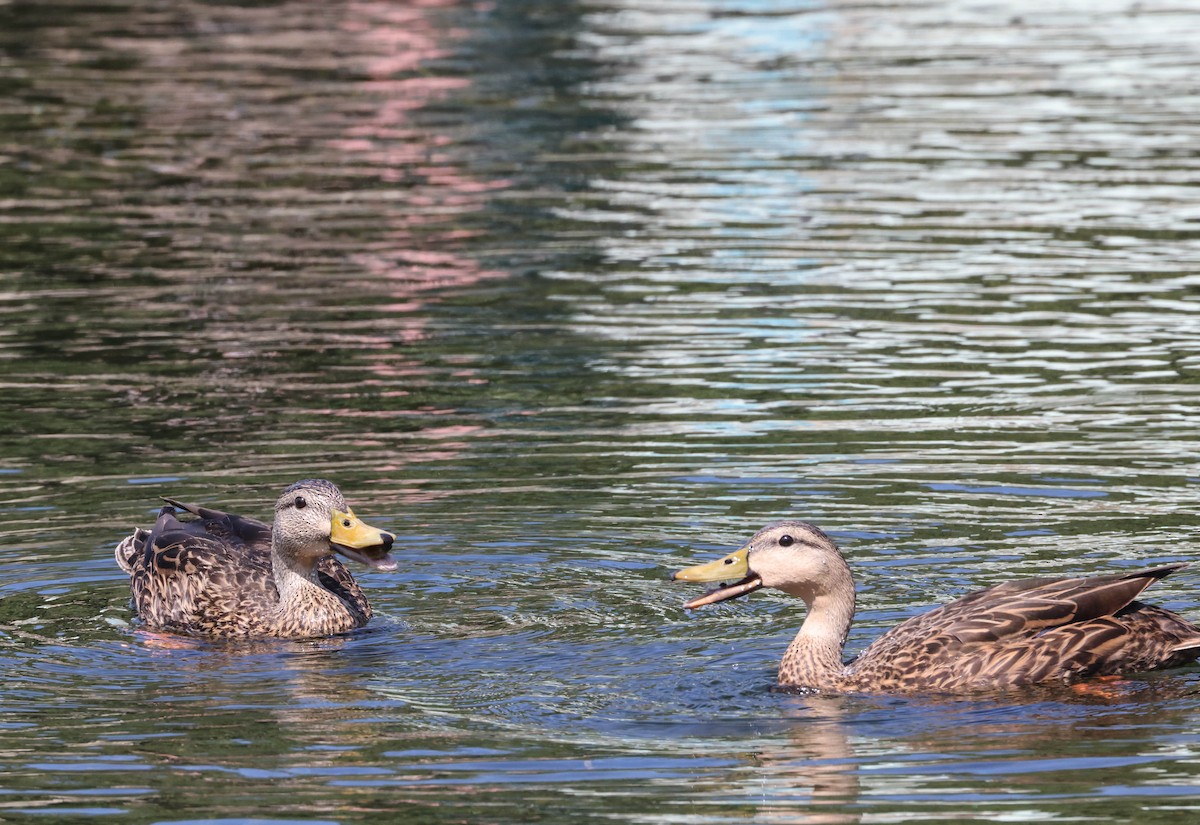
(229, 576)
(1020, 633)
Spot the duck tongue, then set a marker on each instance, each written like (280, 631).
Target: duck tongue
(726, 592)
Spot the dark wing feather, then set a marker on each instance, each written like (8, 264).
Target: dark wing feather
(336, 578)
(237, 529)
(1033, 630)
(1034, 605)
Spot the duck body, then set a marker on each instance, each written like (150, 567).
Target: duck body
(228, 576)
(1024, 632)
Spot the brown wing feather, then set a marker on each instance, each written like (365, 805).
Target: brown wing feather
(191, 579)
(235, 529)
(1033, 630)
(1034, 605)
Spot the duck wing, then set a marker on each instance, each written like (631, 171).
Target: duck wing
(336, 578)
(236, 530)
(1034, 630)
(1031, 606)
(207, 575)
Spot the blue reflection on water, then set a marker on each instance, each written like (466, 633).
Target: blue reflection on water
(1004, 490)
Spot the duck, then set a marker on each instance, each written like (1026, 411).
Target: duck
(1025, 632)
(220, 575)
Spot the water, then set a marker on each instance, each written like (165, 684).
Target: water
(569, 296)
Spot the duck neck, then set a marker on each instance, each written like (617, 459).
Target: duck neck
(302, 598)
(814, 658)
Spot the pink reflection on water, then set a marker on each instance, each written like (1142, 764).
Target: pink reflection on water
(340, 412)
(404, 30)
(420, 251)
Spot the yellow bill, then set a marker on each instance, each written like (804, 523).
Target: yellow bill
(357, 540)
(734, 566)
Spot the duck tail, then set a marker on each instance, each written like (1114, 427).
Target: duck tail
(128, 548)
(1191, 646)
(134, 545)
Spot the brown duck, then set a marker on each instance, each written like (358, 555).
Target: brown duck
(1024, 632)
(223, 575)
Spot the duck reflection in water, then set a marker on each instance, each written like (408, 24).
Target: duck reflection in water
(845, 759)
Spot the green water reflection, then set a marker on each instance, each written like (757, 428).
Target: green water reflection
(567, 296)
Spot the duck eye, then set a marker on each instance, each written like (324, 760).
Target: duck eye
(786, 541)
(300, 503)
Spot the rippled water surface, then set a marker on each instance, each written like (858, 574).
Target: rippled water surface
(569, 295)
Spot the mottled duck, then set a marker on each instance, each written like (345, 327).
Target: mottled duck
(1026, 632)
(227, 576)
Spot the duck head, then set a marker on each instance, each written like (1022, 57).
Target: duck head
(312, 519)
(792, 556)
